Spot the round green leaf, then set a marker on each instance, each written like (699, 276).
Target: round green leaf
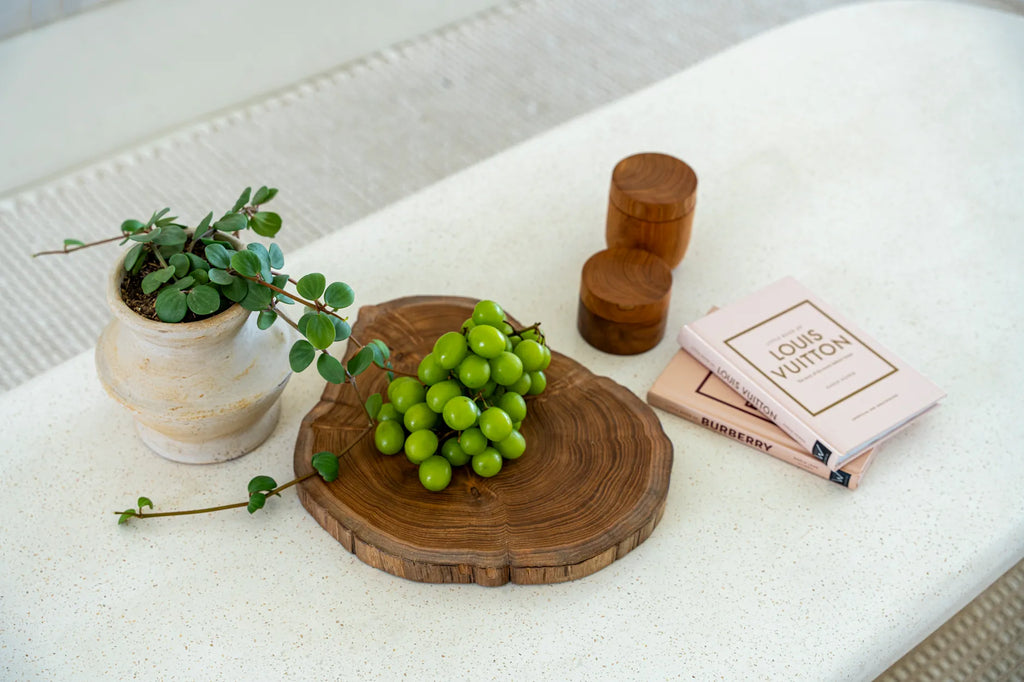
(320, 331)
(197, 262)
(262, 194)
(246, 263)
(233, 222)
(125, 515)
(203, 300)
(132, 226)
(218, 256)
(326, 464)
(342, 330)
(276, 257)
(156, 279)
(183, 283)
(204, 224)
(261, 484)
(256, 502)
(218, 276)
(330, 368)
(304, 321)
(73, 242)
(257, 296)
(265, 319)
(200, 276)
(171, 235)
(358, 363)
(132, 257)
(235, 290)
(146, 236)
(171, 305)
(311, 286)
(264, 256)
(243, 199)
(145, 502)
(339, 295)
(373, 405)
(265, 224)
(181, 264)
(301, 355)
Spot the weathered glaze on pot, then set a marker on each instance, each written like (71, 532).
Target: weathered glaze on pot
(202, 392)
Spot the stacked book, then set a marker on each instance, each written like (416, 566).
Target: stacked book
(784, 373)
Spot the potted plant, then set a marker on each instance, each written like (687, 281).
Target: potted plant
(193, 349)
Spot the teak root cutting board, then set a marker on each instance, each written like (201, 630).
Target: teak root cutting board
(590, 487)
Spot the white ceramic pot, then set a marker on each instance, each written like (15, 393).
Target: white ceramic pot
(202, 392)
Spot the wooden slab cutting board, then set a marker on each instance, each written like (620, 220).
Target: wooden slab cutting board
(590, 487)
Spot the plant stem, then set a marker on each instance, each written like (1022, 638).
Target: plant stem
(66, 250)
(237, 505)
(156, 252)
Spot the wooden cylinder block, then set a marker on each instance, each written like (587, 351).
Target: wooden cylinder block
(624, 296)
(651, 204)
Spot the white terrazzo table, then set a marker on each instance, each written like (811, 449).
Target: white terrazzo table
(874, 152)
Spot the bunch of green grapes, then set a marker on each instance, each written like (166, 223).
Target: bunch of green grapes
(468, 401)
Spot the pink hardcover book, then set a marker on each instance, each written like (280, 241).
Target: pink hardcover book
(689, 389)
(834, 389)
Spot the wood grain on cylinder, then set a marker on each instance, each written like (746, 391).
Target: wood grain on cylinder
(624, 297)
(651, 204)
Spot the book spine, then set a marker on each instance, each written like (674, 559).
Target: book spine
(759, 398)
(777, 449)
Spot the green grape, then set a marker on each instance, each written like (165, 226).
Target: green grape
(486, 341)
(495, 424)
(388, 413)
(512, 447)
(460, 413)
(419, 417)
(419, 445)
(515, 339)
(515, 426)
(489, 388)
(547, 358)
(406, 394)
(430, 370)
(514, 405)
(538, 382)
(395, 384)
(522, 387)
(450, 349)
(389, 437)
(474, 371)
(440, 393)
(488, 312)
(468, 324)
(473, 441)
(452, 451)
(487, 463)
(506, 368)
(531, 353)
(506, 329)
(435, 473)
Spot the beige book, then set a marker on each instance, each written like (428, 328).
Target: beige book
(692, 391)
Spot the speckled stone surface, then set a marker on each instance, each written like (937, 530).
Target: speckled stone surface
(874, 152)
